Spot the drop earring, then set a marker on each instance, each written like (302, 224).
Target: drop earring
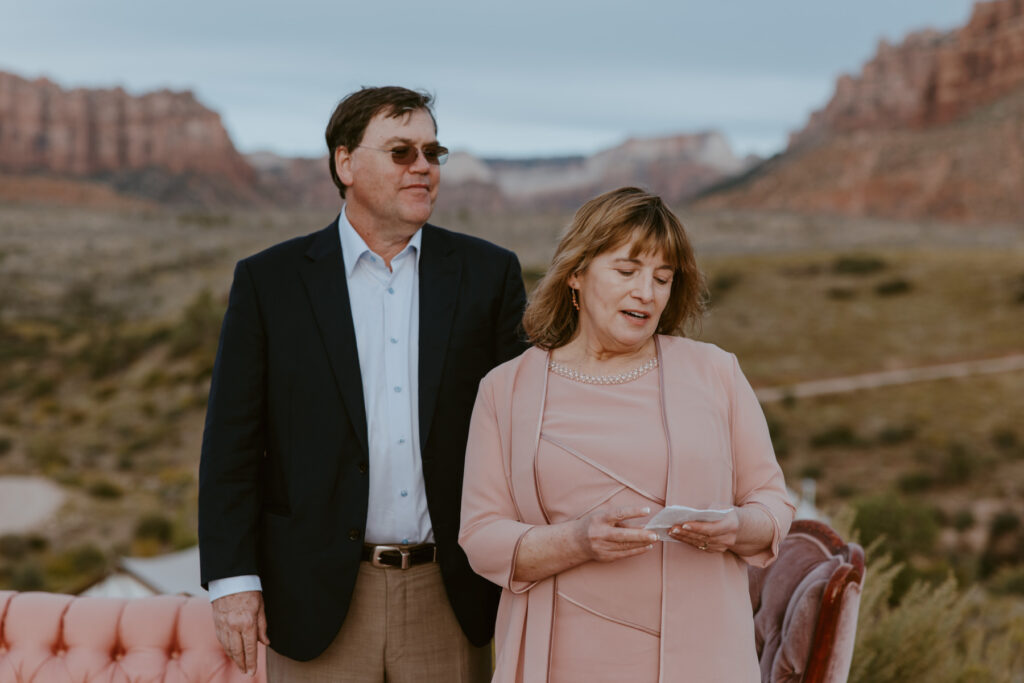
(575, 304)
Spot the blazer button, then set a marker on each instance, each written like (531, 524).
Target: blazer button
(363, 467)
(354, 534)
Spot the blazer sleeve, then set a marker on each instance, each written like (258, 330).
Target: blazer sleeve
(234, 439)
(510, 340)
(491, 531)
(757, 477)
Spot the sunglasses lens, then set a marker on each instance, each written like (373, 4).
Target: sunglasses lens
(407, 154)
(404, 155)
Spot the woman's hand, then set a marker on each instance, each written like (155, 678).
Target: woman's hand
(745, 531)
(546, 550)
(604, 540)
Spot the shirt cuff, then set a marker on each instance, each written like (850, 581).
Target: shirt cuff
(234, 584)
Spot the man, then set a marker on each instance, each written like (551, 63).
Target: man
(332, 461)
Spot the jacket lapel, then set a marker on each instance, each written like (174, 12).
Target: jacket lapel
(324, 276)
(440, 274)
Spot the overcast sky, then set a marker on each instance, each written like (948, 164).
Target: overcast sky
(516, 78)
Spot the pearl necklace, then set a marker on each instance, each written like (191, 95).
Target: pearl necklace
(620, 378)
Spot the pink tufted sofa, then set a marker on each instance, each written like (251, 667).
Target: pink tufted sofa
(51, 638)
(805, 606)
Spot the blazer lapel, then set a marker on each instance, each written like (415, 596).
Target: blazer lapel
(324, 276)
(440, 273)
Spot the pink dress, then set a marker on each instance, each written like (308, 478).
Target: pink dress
(543, 449)
(604, 446)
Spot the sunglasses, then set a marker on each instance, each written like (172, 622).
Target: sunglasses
(406, 155)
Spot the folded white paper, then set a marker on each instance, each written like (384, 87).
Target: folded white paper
(672, 515)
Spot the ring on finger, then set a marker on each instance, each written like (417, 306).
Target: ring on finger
(703, 546)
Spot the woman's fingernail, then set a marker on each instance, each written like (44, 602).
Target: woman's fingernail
(647, 511)
(652, 537)
(686, 526)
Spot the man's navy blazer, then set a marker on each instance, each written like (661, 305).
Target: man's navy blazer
(284, 474)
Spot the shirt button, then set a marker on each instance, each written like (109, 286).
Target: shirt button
(363, 467)
(394, 340)
(404, 493)
(401, 441)
(354, 534)
(391, 290)
(398, 390)
(405, 541)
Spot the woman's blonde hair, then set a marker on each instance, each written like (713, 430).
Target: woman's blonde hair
(606, 222)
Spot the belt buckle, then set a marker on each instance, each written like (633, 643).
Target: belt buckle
(377, 550)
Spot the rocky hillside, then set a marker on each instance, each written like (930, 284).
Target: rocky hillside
(930, 128)
(162, 145)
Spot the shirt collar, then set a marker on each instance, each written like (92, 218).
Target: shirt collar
(353, 247)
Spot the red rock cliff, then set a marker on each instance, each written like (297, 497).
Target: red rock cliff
(111, 134)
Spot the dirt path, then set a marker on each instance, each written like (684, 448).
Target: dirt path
(874, 380)
(27, 502)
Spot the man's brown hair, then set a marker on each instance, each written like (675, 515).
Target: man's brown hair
(353, 114)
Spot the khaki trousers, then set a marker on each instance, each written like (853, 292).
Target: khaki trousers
(399, 628)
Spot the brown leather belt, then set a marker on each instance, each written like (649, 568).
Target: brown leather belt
(399, 556)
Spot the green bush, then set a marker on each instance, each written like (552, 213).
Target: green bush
(858, 265)
(105, 490)
(28, 577)
(155, 527)
(837, 436)
(934, 633)
(13, 546)
(199, 328)
(893, 287)
(908, 529)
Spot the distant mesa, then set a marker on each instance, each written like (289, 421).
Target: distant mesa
(164, 146)
(932, 128)
(167, 147)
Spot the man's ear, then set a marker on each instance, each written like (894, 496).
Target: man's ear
(343, 165)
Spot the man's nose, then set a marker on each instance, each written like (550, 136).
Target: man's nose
(421, 165)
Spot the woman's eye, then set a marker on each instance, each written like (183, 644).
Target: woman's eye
(627, 273)
(661, 281)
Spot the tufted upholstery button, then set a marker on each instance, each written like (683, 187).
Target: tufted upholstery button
(354, 534)
(363, 467)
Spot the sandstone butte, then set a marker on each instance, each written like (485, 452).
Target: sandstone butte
(932, 128)
(163, 145)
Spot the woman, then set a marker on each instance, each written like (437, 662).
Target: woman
(576, 443)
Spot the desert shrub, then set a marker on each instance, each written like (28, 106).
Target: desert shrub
(845, 489)
(957, 466)
(840, 293)
(934, 633)
(836, 436)
(893, 287)
(1008, 580)
(13, 546)
(811, 472)
(909, 529)
(896, 434)
(41, 387)
(112, 349)
(5, 445)
(916, 482)
(47, 452)
(199, 328)
(27, 577)
(777, 432)
(154, 527)
(105, 490)
(87, 559)
(1004, 439)
(963, 519)
(721, 283)
(1005, 545)
(858, 265)
(205, 219)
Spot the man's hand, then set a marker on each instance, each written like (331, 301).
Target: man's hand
(239, 621)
